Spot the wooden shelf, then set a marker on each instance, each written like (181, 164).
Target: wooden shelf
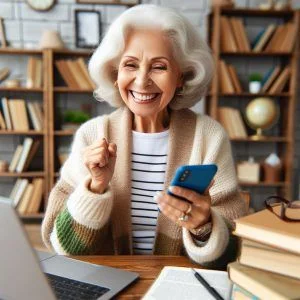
(284, 145)
(21, 132)
(20, 51)
(64, 132)
(71, 52)
(257, 54)
(257, 12)
(269, 139)
(245, 94)
(63, 89)
(21, 89)
(23, 174)
(264, 184)
(32, 216)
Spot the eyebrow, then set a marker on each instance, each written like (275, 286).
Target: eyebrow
(154, 58)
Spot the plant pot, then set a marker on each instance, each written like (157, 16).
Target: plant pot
(254, 87)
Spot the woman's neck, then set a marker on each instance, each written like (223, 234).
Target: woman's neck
(158, 123)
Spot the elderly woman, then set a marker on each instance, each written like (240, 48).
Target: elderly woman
(153, 65)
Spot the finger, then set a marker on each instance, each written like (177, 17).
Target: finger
(97, 160)
(206, 192)
(112, 148)
(181, 205)
(190, 195)
(98, 144)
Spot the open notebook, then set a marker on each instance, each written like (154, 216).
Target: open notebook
(179, 283)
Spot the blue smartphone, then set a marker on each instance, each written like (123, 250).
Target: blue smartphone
(194, 177)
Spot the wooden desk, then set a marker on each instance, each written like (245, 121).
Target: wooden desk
(147, 266)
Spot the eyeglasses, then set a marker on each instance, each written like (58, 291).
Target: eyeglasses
(284, 209)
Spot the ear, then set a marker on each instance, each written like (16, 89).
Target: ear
(179, 83)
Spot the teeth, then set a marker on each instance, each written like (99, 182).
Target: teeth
(143, 97)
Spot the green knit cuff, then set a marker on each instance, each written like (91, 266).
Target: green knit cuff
(66, 235)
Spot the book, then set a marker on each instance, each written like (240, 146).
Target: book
(81, 63)
(34, 117)
(25, 200)
(226, 84)
(2, 122)
(264, 38)
(263, 284)
(39, 113)
(37, 194)
(268, 258)
(257, 37)
(21, 187)
(237, 34)
(15, 188)
(266, 228)
(18, 114)
(24, 155)
(179, 283)
(276, 40)
(228, 43)
(30, 71)
(290, 38)
(15, 159)
(65, 73)
(238, 293)
(280, 81)
(234, 79)
(6, 113)
(32, 152)
(267, 84)
(77, 74)
(243, 35)
(38, 79)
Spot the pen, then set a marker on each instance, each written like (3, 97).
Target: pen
(209, 288)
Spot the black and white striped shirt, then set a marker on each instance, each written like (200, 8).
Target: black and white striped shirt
(149, 159)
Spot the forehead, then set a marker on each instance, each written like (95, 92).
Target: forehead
(149, 42)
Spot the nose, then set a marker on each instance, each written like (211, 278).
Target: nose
(142, 78)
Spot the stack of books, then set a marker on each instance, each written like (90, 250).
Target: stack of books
(233, 35)
(229, 81)
(23, 155)
(268, 266)
(15, 112)
(27, 196)
(231, 119)
(75, 73)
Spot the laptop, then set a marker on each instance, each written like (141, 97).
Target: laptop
(29, 274)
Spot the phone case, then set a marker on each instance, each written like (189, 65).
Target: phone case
(194, 177)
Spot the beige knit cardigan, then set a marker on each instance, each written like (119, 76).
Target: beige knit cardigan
(78, 221)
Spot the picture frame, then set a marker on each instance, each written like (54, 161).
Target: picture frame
(87, 28)
(110, 2)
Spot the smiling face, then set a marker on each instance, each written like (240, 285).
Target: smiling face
(148, 74)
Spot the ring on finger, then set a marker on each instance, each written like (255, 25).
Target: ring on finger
(183, 218)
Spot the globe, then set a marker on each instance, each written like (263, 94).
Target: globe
(261, 113)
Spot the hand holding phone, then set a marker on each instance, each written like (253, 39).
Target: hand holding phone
(194, 177)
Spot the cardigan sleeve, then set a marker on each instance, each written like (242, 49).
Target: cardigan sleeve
(227, 204)
(76, 219)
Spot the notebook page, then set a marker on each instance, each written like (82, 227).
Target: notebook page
(179, 283)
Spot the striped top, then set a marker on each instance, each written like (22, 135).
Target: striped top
(149, 160)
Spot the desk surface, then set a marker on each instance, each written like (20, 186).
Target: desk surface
(147, 266)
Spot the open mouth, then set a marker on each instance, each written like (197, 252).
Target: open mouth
(143, 98)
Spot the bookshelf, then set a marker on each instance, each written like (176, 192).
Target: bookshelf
(38, 95)
(280, 139)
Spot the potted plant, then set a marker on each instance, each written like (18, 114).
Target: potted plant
(73, 119)
(255, 82)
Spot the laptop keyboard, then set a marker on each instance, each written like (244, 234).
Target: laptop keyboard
(65, 288)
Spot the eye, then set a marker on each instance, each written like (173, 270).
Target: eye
(159, 67)
(130, 66)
